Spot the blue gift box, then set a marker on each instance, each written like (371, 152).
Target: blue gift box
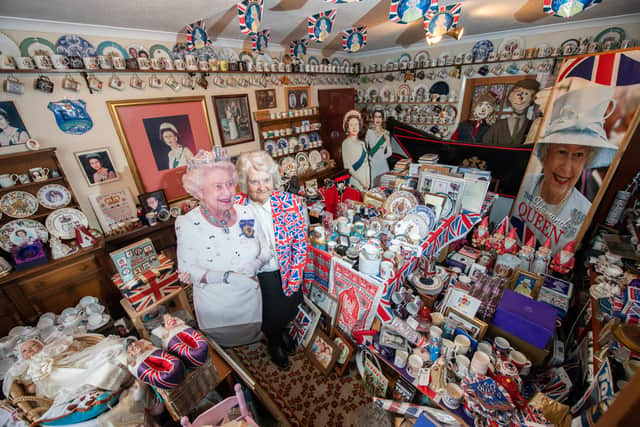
(530, 320)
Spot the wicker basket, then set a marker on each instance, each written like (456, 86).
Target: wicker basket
(32, 407)
(196, 385)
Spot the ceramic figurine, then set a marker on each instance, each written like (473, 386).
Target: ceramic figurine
(564, 261)
(526, 254)
(84, 238)
(480, 238)
(511, 243)
(542, 258)
(59, 249)
(497, 240)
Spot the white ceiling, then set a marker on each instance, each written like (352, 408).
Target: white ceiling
(287, 18)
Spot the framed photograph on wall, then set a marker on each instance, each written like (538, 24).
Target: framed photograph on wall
(298, 97)
(159, 136)
(12, 128)
(234, 118)
(97, 166)
(266, 98)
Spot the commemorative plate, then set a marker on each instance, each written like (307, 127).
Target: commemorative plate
(400, 202)
(21, 231)
(422, 57)
(73, 45)
(158, 51)
(304, 140)
(247, 57)
(111, 49)
(336, 62)
(270, 146)
(481, 50)
(62, 223)
(19, 204)
(312, 60)
(315, 159)
(283, 144)
(37, 46)
(303, 164)
(54, 196)
(289, 166)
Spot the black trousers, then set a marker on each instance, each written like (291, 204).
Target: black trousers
(277, 308)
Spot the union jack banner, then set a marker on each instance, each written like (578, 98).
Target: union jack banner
(342, 1)
(197, 37)
(260, 41)
(297, 329)
(250, 16)
(441, 19)
(317, 270)
(354, 39)
(609, 69)
(297, 48)
(450, 230)
(320, 25)
(402, 13)
(567, 8)
(162, 370)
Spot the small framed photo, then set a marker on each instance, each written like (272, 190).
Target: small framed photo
(298, 97)
(97, 166)
(345, 350)
(526, 283)
(435, 202)
(154, 201)
(476, 327)
(323, 352)
(233, 116)
(266, 98)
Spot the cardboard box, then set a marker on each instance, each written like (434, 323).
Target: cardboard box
(530, 320)
(535, 354)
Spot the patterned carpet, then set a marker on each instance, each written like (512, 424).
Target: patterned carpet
(303, 394)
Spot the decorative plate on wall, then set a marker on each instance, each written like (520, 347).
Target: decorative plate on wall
(54, 196)
(158, 51)
(19, 204)
(62, 223)
(36, 46)
(73, 45)
(21, 231)
(312, 60)
(614, 34)
(111, 49)
(511, 44)
(481, 50)
(422, 56)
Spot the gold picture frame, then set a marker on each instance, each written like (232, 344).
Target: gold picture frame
(476, 327)
(525, 283)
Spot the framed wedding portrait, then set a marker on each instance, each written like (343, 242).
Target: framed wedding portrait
(298, 97)
(233, 116)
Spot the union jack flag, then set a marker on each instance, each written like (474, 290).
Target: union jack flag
(314, 23)
(197, 37)
(400, 13)
(609, 69)
(352, 35)
(384, 312)
(451, 12)
(260, 41)
(297, 48)
(188, 343)
(162, 370)
(553, 7)
(298, 328)
(250, 16)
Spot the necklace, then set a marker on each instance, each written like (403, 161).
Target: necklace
(218, 223)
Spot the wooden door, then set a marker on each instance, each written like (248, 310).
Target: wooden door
(334, 103)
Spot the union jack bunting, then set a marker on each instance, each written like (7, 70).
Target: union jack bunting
(197, 37)
(567, 8)
(160, 369)
(320, 25)
(342, 1)
(354, 39)
(450, 230)
(609, 69)
(260, 41)
(317, 269)
(441, 19)
(297, 48)
(402, 13)
(250, 16)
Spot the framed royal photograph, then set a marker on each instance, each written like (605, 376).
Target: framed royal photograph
(476, 327)
(97, 166)
(159, 136)
(266, 98)
(435, 202)
(526, 283)
(12, 128)
(345, 350)
(298, 97)
(322, 352)
(155, 202)
(233, 116)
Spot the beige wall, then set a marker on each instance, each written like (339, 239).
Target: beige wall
(40, 122)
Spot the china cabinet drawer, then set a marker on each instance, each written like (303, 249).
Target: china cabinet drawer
(61, 277)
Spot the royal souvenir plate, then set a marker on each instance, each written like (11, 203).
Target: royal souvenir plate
(481, 50)
(54, 196)
(247, 57)
(335, 62)
(613, 34)
(373, 94)
(21, 231)
(400, 202)
(570, 46)
(19, 204)
(421, 92)
(427, 214)
(304, 140)
(289, 166)
(158, 51)
(422, 56)
(73, 45)
(62, 223)
(346, 63)
(8, 46)
(440, 87)
(315, 158)
(270, 146)
(325, 155)
(37, 46)
(283, 144)
(405, 57)
(312, 60)
(314, 136)
(303, 164)
(511, 44)
(228, 54)
(293, 143)
(404, 91)
(420, 222)
(111, 49)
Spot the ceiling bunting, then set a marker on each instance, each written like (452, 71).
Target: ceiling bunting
(260, 41)
(250, 16)
(197, 37)
(440, 20)
(320, 25)
(354, 39)
(405, 11)
(567, 8)
(342, 1)
(298, 48)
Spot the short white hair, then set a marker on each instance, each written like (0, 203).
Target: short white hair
(260, 161)
(195, 179)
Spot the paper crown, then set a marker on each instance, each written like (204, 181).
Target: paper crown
(218, 154)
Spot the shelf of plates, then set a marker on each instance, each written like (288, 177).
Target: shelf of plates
(407, 103)
(151, 71)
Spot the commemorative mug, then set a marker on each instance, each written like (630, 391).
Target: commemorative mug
(501, 346)
(143, 63)
(25, 63)
(479, 363)
(7, 62)
(44, 84)
(191, 61)
(60, 62)
(39, 174)
(118, 63)
(448, 349)
(414, 364)
(8, 180)
(203, 65)
(462, 344)
(172, 83)
(452, 396)
(23, 178)
(593, 47)
(155, 82)
(104, 62)
(70, 83)
(157, 64)
(13, 85)
(90, 62)
(167, 64)
(179, 64)
(520, 361)
(400, 358)
(75, 62)
(462, 366)
(95, 84)
(131, 63)
(116, 83)
(137, 82)
(42, 62)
